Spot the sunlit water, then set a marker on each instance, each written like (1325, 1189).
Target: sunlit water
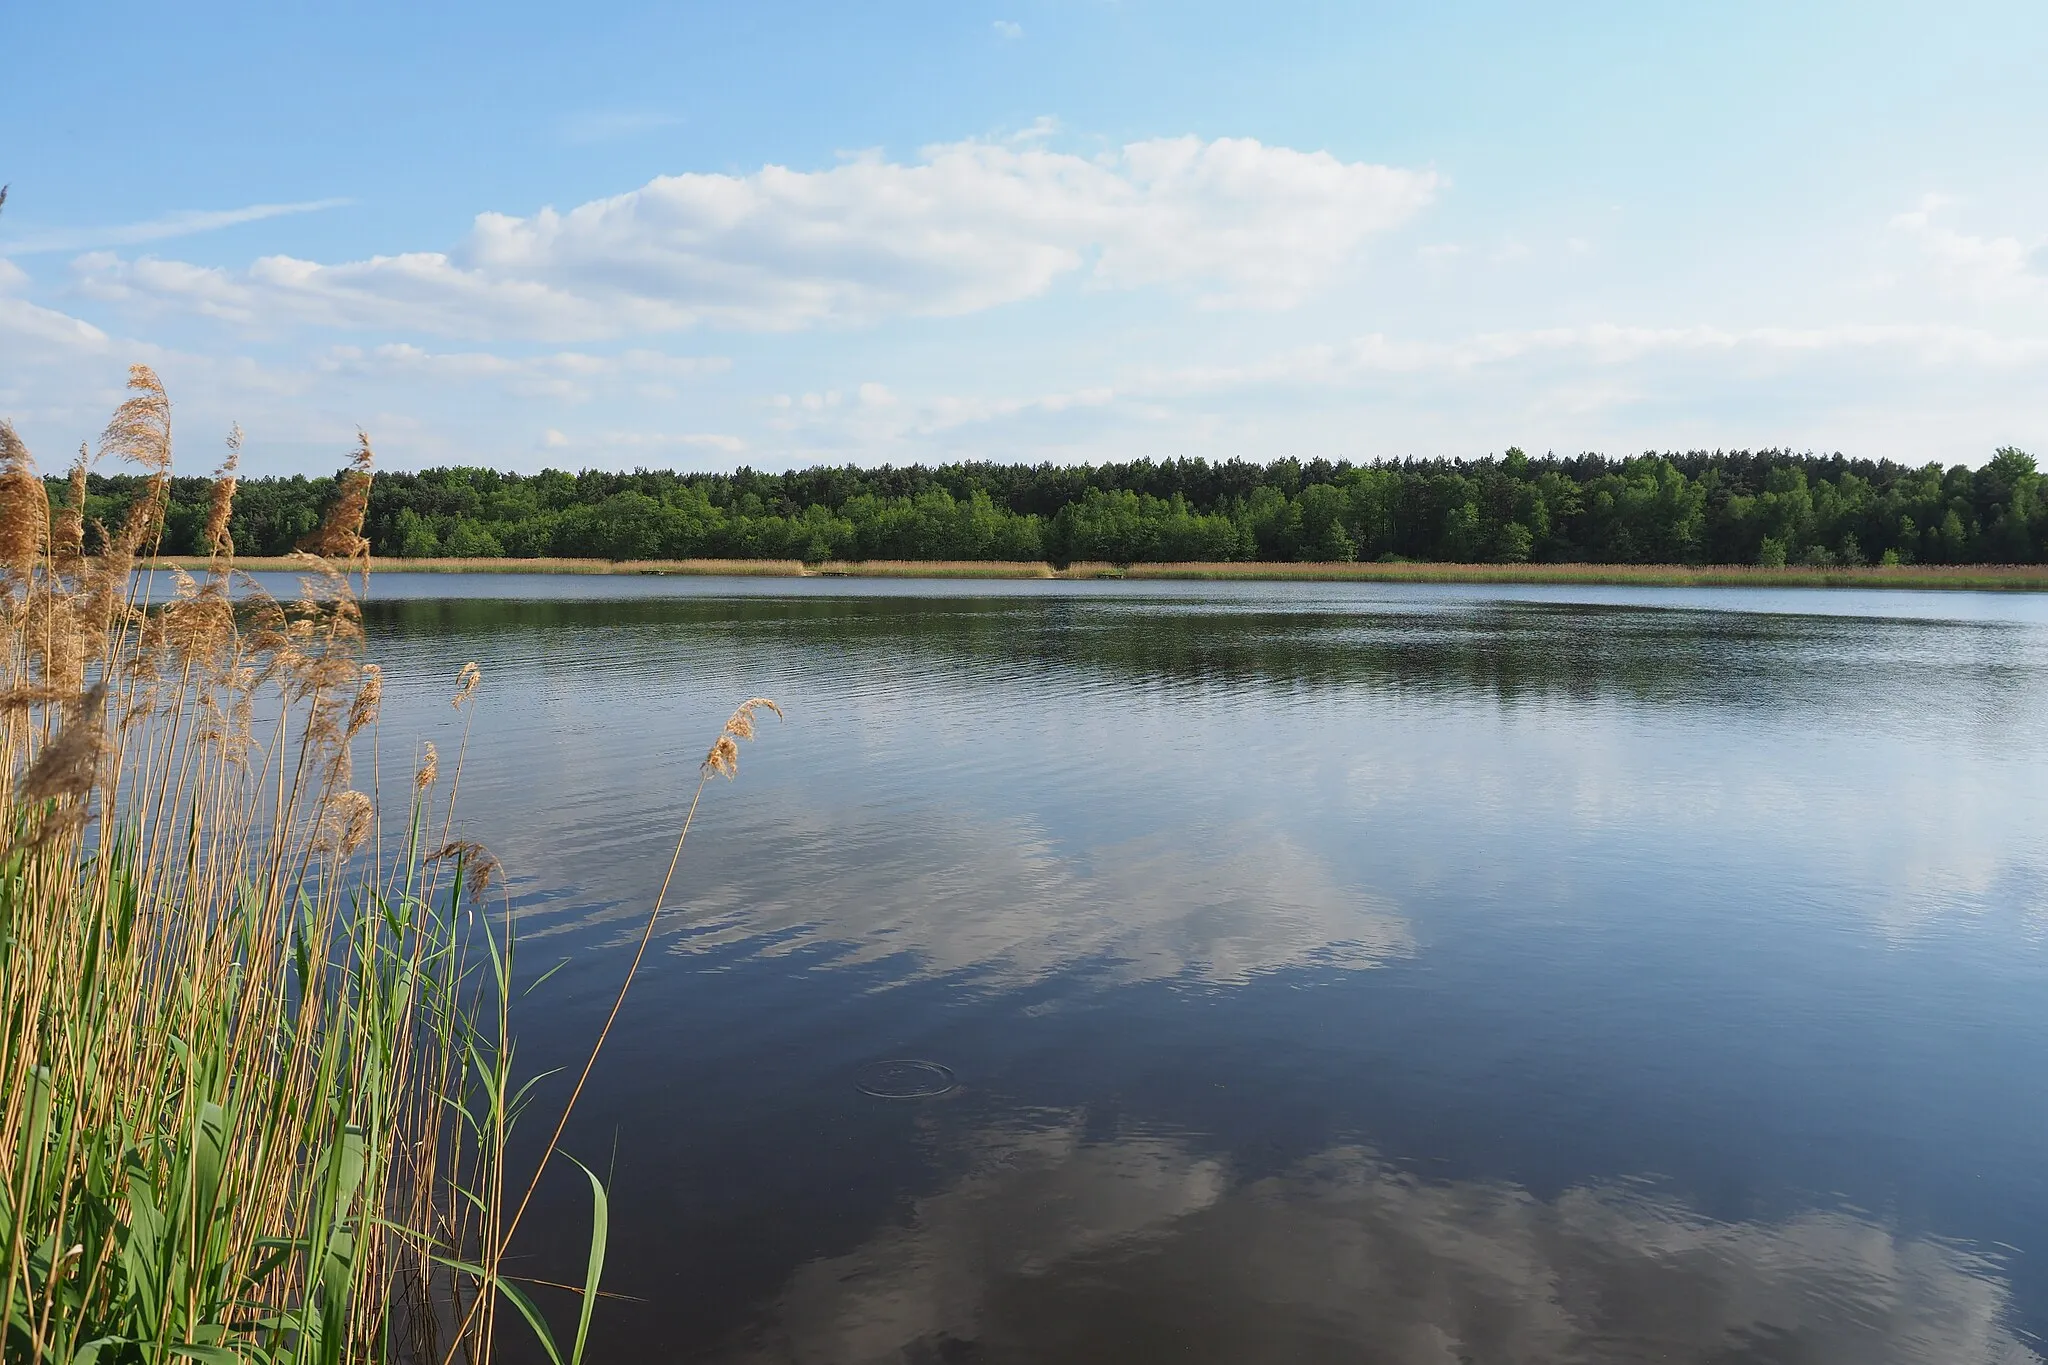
(1390, 973)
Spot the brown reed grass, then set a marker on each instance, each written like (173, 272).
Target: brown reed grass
(1962, 577)
(192, 986)
(67, 523)
(339, 537)
(220, 503)
(255, 1096)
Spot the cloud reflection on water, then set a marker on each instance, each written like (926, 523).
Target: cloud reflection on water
(937, 895)
(1056, 1247)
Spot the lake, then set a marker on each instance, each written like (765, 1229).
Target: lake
(1322, 972)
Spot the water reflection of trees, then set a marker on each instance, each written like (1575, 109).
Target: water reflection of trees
(1510, 650)
(1055, 1247)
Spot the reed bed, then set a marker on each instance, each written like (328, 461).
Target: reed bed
(1972, 577)
(256, 1081)
(745, 568)
(1975, 577)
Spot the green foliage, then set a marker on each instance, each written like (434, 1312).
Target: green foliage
(1766, 507)
(136, 1224)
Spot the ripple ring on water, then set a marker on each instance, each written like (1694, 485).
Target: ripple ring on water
(904, 1078)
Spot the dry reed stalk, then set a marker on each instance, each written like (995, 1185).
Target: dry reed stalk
(138, 775)
(186, 966)
(721, 759)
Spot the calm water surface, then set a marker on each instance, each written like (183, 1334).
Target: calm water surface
(1330, 973)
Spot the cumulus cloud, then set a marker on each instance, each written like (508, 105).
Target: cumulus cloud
(21, 320)
(968, 226)
(1985, 269)
(1055, 1246)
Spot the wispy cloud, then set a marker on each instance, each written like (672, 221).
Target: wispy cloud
(1008, 28)
(555, 439)
(569, 375)
(183, 223)
(1585, 383)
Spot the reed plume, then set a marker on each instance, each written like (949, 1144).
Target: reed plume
(339, 536)
(68, 765)
(724, 757)
(347, 822)
(220, 503)
(67, 524)
(466, 683)
(255, 1076)
(24, 507)
(196, 992)
(139, 433)
(480, 866)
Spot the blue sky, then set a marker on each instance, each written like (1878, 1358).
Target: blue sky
(779, 234)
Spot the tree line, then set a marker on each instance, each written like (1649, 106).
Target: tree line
(1769, 507)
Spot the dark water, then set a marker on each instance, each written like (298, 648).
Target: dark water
(1357, 973)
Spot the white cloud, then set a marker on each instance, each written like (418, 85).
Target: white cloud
(1593, 360)
(968, 226)
(614, 441)
(1603, 344)
(1008, 29)
(419, 292)
(572, 375)
(180, 224)
(1985, 269)
(22, 320)
(1946, 392)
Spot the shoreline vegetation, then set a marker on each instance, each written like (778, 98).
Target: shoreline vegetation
(256, 1080)
(1769, 509)
(1919, 577)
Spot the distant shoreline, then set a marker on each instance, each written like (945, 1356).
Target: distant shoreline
(1962, 577)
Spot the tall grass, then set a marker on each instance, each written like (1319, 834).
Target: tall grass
(1972, 577)
(256, 1082)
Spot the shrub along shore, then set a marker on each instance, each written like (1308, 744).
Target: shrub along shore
(1766, 508)
(1965, 577)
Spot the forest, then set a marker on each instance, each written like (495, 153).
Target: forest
(1767, 507)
